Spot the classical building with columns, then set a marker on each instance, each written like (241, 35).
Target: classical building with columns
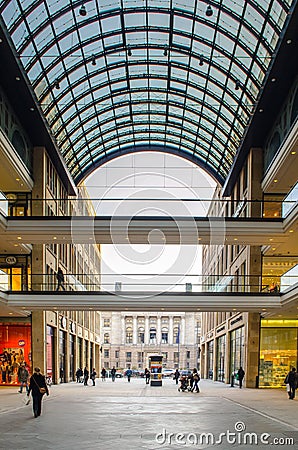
(129, 339)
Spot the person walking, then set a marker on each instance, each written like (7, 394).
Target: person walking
(292, 381)
(240, 376)
(128, 374)
(86, 376)
(176, 375)
(79, 374)
(103, 374)
(23, 376)
(196, 379)
(147, 375)
(113, 373)
(93, 376)
(60, 279)
(38, 387)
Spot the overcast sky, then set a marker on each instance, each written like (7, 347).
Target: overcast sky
(167, 182)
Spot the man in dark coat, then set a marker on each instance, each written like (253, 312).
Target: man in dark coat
(86, 376)
(292, 380)
(60, 279)
(37, 382)
(240, 375)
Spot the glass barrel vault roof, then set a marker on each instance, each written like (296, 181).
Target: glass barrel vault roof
(148, 73)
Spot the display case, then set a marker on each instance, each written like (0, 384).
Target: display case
(155, 367)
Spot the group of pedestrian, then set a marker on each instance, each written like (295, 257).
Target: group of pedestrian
(188, 382)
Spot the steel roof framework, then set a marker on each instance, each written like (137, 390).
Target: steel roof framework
(136, 74)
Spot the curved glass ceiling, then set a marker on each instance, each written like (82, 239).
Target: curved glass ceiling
(180, 75)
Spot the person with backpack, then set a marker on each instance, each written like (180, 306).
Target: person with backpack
(128, 374)
(23, 376)
(196, 379)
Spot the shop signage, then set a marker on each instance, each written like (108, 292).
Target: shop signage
(11, 260)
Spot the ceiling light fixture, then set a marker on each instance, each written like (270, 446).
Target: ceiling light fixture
(82, 10)
(209, 11)
(93, 60)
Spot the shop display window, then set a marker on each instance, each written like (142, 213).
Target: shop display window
(15, 349)
(278, 353)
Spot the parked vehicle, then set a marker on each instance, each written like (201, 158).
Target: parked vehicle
(167, 373)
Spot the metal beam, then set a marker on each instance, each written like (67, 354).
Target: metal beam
(142, 301)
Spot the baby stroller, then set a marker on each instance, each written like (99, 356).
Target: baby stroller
(184, 385)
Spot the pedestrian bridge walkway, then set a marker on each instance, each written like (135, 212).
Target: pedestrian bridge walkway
(142, 301)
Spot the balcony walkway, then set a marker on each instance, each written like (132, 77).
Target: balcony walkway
(142, 301)
(143, 230)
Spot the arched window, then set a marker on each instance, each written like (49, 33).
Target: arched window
(129, 335)
(106, 338)
(152, 335)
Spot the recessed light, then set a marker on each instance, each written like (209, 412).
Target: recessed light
(32, 109)
(293, 153)
(291, 231)
(54, 238)
(264, 309)
(19, 237)
(18, 79)
(273, 80)
(289, 41)
(17, 179)
(273, 248)
(10, 313)
(275, 181)
(199, 239)
(271, 239)
(16, 245)
(235, 239)
(261, 110)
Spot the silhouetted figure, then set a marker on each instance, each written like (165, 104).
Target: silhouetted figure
(176, 375)
(240, 375)
(60, 279)
(292, 381)
(86, 376)
(37, 383)
(113, 373)
(147, 375)
(93, 376)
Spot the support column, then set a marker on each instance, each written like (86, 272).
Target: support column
(134, 330)
(39, 340)
(146, 330)
(171, 327)
(158, 331)
(252, 340)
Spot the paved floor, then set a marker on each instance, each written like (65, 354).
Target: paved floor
(133, 416)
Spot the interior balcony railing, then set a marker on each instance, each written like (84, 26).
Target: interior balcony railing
(142, 206)
(155, 283)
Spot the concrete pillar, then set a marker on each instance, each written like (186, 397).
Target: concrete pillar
(171, 328)
(39, 340)
(214, 368)
(158, 331)
(134, 330)
(227, 358)
(146, 330)
(252, 340)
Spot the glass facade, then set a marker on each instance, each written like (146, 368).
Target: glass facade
(237, 351)
(278, 351)
(220, 358)
(50, 352)
(210, 347)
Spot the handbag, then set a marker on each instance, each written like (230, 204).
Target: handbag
(42, 390)
(288, 387)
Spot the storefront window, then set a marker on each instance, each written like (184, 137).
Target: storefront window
(210, 347)
(50, 352)
(237, 351)
(278, 351)
(220, 362)
(15, 349)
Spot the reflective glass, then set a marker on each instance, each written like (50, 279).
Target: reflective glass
(167, 73)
